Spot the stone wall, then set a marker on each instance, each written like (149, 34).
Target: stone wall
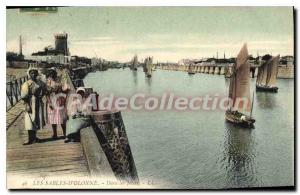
(285, 72)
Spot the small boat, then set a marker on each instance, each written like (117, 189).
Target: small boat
(239, 89)
(267, 75)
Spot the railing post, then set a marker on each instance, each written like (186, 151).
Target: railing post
(10, 94)
(13, 90)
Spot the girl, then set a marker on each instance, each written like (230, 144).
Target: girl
(56, 103)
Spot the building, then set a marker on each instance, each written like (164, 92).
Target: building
(61, 47)
(58, 55)
(51, 59)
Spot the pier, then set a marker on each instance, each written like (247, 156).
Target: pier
(92, 157)
(216, 69)
(284, 71)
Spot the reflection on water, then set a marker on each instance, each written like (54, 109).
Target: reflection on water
(134, 76)
(148, 81)
(266, 100)
(199, 149)
(239, 156)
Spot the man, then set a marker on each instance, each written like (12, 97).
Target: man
(32, 92)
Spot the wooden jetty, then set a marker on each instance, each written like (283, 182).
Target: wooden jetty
(50, 158)
(53, 164)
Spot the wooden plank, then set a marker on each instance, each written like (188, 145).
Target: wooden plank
(50, 158)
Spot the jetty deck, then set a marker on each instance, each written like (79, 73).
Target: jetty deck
(31, 166)
(49, 158)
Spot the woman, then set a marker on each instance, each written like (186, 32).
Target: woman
(56, 103)
(32, 92)
(79, 111)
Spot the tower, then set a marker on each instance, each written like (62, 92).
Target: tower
(61, 44)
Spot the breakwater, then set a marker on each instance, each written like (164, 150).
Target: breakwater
(284, 71)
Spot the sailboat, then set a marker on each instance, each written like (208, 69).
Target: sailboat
(267, 75)
(190, 70)
(239, 91)
(227, 72)
(148, 67)
(134, 63)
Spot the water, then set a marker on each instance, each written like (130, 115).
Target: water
(198, 149)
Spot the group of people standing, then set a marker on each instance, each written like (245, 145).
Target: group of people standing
(34, 92)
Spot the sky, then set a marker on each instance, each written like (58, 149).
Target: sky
(166, 33)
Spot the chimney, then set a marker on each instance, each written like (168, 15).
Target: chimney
(20, 46)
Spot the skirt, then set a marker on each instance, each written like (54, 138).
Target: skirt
(57, 115)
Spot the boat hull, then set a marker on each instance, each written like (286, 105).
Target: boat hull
(266, 88)
(239, 119)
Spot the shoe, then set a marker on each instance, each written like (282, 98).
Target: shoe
(54, 137)
(27, 143)
(67, 141)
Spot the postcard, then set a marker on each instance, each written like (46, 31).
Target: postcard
(150, 97)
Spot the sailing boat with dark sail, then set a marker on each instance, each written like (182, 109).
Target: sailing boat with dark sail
(267, 75)
(240, 111)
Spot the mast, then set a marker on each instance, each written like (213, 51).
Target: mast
(252, 104)
(20, 46)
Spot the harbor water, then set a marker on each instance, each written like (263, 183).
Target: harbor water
(198, 149)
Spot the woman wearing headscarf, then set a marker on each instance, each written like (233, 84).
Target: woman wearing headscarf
(79, 110)
(32, 92)
(56, 103)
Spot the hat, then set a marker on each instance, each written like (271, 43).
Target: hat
(51, 71)
(80, 89)
(31, 69)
